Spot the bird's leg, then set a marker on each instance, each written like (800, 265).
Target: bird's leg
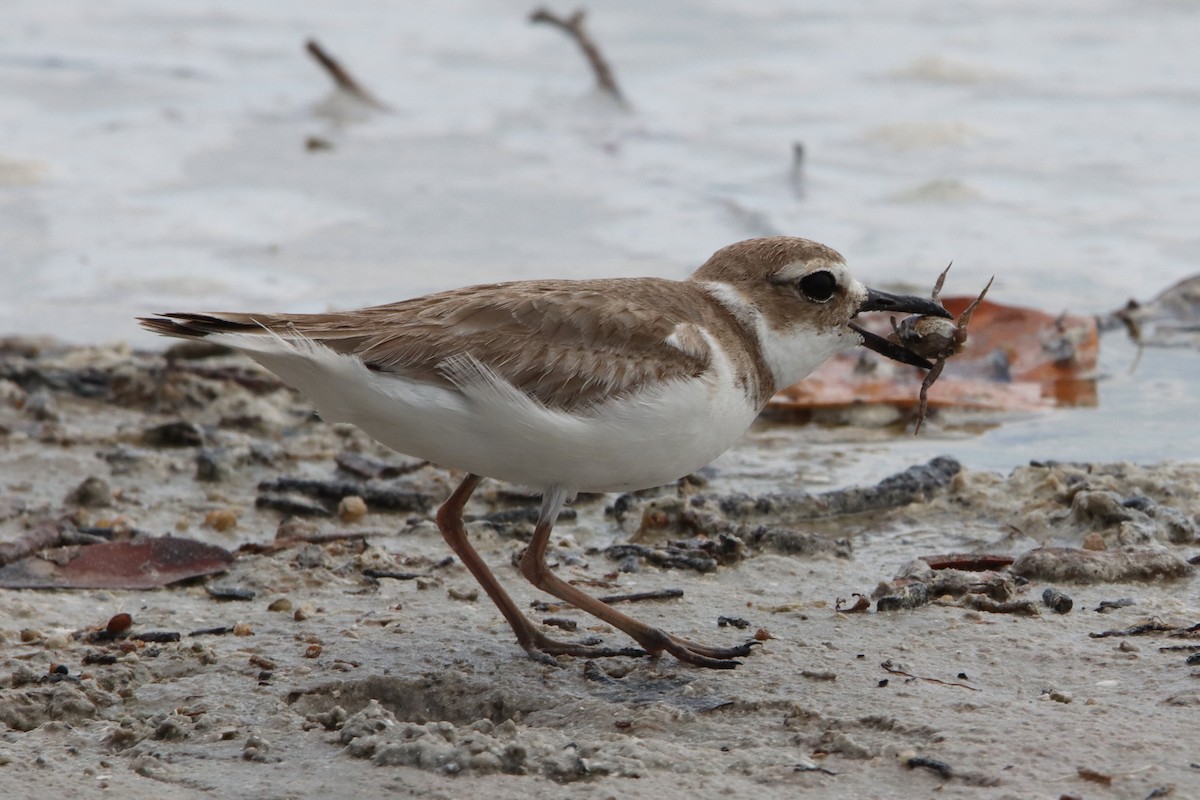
(655, 641)
(533, 641)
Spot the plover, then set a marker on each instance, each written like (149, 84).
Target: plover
(564, 386)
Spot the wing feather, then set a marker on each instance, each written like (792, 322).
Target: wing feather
(569, 344)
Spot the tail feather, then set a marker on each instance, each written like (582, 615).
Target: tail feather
(198, 326)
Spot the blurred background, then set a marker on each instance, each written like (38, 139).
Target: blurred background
(162, 156)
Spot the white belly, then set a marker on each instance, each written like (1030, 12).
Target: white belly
(487, 427)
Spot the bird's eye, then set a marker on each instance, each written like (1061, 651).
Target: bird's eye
(819, 286)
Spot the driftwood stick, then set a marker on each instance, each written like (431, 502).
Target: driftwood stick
(344, 80)
(48, 534)
(315, 537)
(637, 597)
(573, 27)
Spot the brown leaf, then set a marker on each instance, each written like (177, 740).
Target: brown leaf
(1016, 359)
(142, 564)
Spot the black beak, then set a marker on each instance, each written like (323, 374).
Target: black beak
(883, 301)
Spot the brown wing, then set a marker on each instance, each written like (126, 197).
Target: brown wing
(566, 343)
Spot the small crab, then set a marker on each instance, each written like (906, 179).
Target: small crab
(935, 338)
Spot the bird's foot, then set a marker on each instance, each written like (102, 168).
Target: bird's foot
(543, 649)
(656, 642)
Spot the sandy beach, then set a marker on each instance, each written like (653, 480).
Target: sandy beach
(339, 649)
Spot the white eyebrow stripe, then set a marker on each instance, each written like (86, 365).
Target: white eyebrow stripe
(798, 269)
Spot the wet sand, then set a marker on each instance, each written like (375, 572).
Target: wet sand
(327, 678)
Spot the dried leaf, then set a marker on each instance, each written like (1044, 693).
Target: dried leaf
(1017, 359)
(142, 564)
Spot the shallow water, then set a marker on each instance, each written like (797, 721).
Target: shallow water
(153, 157)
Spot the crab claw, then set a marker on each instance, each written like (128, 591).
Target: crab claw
(890, 349)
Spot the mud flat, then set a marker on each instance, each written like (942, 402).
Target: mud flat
(945, 633)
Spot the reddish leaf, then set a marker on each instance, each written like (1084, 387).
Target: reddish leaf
(117, 565)
(1016, 359)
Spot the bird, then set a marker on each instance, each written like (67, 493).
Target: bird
(568, 386)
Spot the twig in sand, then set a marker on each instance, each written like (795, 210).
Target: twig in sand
(969, 562)
(887, 665)
(637, 597)
(940, 767)
(48, 534)
(316, 537)
(573, 27)
(393, 574)
(1152, 626)
(341, 77)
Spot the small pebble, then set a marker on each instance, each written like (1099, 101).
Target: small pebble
(213, 465)
(262, 662)
(119, 526)
(92, 493)
(1057, 601)
(1107, 606)
(179, 433)
(221, 519)
(56, 641)
(255, 748)
(1094, 541)
(118, 623)
(312, 556)
(1127, 646)
(470, 595)
(243, 629)
(42, 406)
(282, 604)
(352, 509)
(296, 528)
(229, 593)
(560, 622)
(312, 651)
